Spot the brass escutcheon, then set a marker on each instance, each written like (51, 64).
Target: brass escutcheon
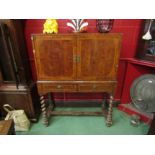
(59, 86)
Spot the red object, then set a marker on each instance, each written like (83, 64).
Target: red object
(104, 25)
(129, 111)
(134, 69)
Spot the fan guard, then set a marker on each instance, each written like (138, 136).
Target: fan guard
(142, 93)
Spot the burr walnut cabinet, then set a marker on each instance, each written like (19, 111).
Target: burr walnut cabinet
(78, 62)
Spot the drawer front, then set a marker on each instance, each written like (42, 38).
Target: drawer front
(97, 87)
(58, 87)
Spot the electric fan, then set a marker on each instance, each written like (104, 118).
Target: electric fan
(142, 93)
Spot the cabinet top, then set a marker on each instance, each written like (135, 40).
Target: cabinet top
(116, 35)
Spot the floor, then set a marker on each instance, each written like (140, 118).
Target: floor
(87, 125)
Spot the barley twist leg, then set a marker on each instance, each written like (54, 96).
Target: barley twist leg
(44, 111)
(110, 110)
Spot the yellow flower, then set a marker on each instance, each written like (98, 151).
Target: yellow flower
(50, 26)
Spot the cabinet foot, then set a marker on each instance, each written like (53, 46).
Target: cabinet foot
(44, 111)
(109, 115)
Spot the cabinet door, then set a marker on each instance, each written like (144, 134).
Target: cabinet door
(54, 56)
(98, 56)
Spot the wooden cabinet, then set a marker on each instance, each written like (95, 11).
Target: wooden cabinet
(24, 97)
(7, 127)
(78, 62)
(15, 70)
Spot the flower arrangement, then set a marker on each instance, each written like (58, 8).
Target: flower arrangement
(78, 25)
(50, 26)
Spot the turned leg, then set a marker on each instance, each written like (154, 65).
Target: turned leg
(104, 102)
(109, 115)
(51, 102)
(103, 105)
(44, 110)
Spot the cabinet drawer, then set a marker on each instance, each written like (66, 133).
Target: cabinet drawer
(58, 87)
(97, 87)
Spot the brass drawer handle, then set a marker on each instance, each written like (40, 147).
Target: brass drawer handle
(59, 86)
(94, 87)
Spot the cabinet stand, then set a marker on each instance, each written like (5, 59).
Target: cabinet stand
(48, 110)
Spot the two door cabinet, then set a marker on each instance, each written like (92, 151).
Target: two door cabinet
(80, 62)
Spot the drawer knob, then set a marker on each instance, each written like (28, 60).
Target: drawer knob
(94, 86)
(59, 86)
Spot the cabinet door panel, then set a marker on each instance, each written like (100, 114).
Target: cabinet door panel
(54, 57)
(98, 56)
